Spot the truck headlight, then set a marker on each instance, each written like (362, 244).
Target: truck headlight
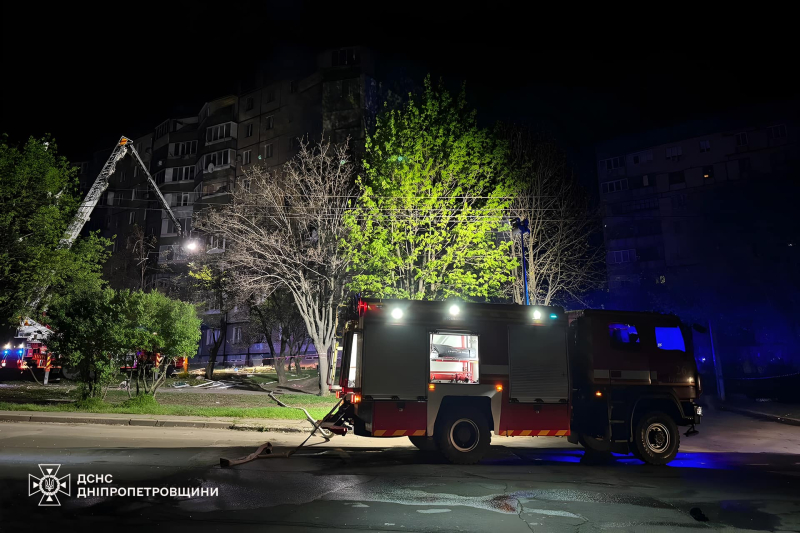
(698, 410)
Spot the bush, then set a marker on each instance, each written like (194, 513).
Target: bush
(90, 404)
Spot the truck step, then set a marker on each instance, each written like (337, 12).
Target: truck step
(617, 421)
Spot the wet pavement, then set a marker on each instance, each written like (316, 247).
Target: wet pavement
(739, 474)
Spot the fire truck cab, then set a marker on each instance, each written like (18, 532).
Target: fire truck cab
(448, 374)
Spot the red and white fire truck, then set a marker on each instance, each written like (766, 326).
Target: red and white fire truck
(448, 374)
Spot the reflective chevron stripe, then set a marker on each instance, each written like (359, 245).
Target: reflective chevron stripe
(398, 433)
(534, 433)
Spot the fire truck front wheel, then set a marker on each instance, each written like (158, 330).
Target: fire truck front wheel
(656, 439)
(463, 438)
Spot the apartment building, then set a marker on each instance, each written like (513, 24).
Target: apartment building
(200, 160)
(701, 225)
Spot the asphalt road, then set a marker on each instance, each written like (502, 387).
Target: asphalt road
(742, 474)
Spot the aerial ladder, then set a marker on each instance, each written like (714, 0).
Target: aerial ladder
(30, 331)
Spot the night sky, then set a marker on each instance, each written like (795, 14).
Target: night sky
(87, 83)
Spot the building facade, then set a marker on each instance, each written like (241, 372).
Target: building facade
(200, 160)
(702, 226)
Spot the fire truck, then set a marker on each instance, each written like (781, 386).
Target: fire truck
(449, 374)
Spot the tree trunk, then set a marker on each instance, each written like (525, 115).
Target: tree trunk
(323, 370)
(297, 366)
(280, 369)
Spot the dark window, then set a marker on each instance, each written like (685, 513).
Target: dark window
(636, 160)
(269, 122)
(292, 86)
(249, 130)
(340, 58)
(741, 139)
(250, 104)
(776, 132)
(271, 95)
(708, 172)
(624, 336)
(705, 146)
(670, 338)
(744, 164)
(294, 143)
(677, 177)
(268, 151)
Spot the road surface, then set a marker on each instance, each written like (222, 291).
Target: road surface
(741, 474)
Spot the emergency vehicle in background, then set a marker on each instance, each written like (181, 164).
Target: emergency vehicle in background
(448, 374)
(31, 335)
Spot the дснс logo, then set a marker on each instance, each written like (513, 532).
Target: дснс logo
(49, 485)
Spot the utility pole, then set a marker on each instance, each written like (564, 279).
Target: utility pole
(521, 228)
(717, 366)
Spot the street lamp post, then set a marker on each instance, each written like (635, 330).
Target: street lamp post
(521, 228)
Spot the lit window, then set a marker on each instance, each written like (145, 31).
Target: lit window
(453, 358)
(623, 336)
(670, 338)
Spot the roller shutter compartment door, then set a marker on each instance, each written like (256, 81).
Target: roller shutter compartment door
(537, 364)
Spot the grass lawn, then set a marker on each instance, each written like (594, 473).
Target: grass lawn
(26, 396)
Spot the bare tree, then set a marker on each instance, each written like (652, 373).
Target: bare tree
(285, 229)
(562, 261)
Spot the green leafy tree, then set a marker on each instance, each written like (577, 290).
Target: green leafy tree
(433, 199)
(91, 335)
(158, 325)
(38, 192)
(215, 300)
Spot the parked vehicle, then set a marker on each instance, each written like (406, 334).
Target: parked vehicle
(446, 375)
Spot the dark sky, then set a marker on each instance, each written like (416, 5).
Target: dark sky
(122, 70)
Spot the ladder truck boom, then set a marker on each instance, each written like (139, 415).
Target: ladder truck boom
(31, 329)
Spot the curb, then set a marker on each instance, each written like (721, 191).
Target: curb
(148, 422)
(759, 415)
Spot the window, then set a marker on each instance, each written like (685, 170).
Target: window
(622, 256)
(183, 173)
(268, 151)
(162, 129)
(132, 217)
(674, 152)
(133, 194)
(135, 171)
(219, 132)
(249, 104)
(454, 358)
(246, 184)
(293, 86)
(218, 159)
(246, 157)
(249, 130)
(183, 148)
(645, 181)
(185, 199)
(624, 336)
(705, 146)
(741, 139)
(271, 95)
(708, 172)
(294, 143)
(237, 334)
(614, 162)
(344, 57)
(642, 157)
(744, 164)
(122, 176)
(614, 186)
(670, 338)
(677, 177)
(269, 122)
(84, 168)
(776, 132)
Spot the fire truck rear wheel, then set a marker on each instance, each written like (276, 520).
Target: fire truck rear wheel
(656, 439)
(424, 444)
(463, 438)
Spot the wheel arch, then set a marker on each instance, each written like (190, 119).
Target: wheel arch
(664, 403)
(487, 404)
